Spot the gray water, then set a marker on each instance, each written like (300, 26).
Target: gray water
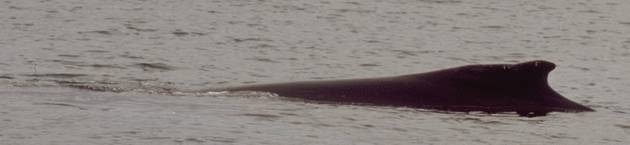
(139, 53)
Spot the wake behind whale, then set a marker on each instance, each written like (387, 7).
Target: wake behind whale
(492, 88)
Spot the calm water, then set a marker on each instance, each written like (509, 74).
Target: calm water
(144, 49)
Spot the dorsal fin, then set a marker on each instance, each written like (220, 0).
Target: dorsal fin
(538, 66)
(535, 71)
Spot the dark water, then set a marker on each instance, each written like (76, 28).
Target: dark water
(144, 47)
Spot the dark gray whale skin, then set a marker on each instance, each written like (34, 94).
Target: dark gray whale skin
(492, 88)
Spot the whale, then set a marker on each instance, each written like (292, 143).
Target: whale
(492, 88)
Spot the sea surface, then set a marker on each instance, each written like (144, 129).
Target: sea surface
(121, 71)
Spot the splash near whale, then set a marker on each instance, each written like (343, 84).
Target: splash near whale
(522, 88)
